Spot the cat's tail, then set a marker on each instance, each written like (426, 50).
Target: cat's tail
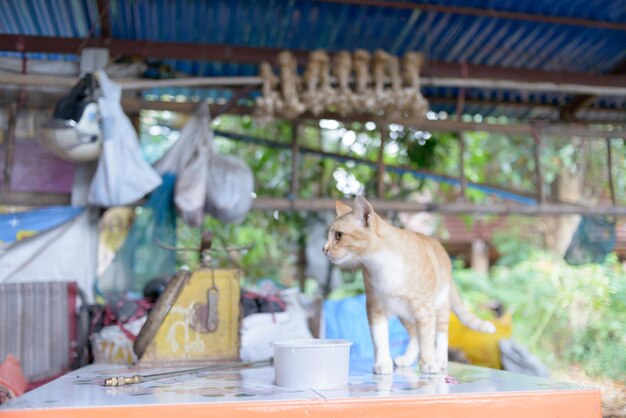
(465, 316)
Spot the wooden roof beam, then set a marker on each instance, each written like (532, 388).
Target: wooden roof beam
(578, 102)
(475, 76)
(599, 85)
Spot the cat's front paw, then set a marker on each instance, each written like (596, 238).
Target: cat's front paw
(429, 368)
(404, 360)
(383, 367)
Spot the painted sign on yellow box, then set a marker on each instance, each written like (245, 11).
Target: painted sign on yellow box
(202, 324)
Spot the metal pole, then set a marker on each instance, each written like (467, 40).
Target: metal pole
(609, 158)
(295, 161)
(538, 175)
(9, 146)
(321, 205)
(380, 173)
(462, 177)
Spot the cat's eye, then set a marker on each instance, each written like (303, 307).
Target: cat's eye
(338, 235)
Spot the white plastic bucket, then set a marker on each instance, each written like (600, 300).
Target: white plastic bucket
(312, 363)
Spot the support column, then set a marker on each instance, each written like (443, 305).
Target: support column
(538, 175)
(462, 164)
(295, 161)
(480, 256)
(9, 146)
(380, 173)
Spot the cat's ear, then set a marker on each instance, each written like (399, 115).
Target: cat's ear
(364, 209)
(342, 208)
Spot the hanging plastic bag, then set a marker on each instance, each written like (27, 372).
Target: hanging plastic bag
(189, 159)
(123, 176)
(141, 258)
(229, 189)
(221, 185)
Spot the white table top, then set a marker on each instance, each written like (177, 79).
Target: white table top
(84, 388)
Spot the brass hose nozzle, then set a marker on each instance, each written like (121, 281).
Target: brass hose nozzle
(123, 380)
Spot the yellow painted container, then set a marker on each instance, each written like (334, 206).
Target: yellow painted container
(178, 341)
(481, 349)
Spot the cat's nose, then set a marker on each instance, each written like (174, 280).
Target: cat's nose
(325, 248)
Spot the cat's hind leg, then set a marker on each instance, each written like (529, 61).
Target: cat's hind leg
(412, 348)
(441, 338)
(426, 325)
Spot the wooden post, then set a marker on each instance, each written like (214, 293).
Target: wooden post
(480, 256)
(462, 177)
(135, 119)
(538, 175)
(9, 146)
(295, 161)
(380, 173)
(609, 158)
(301, 263)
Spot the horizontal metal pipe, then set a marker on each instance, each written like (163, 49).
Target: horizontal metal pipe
(48, 81)
(137, 84)
(321, 205)
(525, 86)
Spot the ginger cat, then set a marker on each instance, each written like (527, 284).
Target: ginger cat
(406, 274)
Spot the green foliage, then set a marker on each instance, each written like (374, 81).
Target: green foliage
(421, 153)
(513, 244)
(271, 235)
(566, 315)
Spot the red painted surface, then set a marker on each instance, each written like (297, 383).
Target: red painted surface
(11, 375)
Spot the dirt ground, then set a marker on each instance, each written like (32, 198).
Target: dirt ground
(613, 392)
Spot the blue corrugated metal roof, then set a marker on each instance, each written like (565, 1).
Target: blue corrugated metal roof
(303, 24)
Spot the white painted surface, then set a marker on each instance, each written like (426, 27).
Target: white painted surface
(83, 387)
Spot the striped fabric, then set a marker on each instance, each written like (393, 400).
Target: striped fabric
(37, 325)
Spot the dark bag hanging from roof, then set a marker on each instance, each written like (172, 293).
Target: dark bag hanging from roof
(72, 106)
(593, 240)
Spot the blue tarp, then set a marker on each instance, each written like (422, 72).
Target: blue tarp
(17, 226)
(347, 319)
